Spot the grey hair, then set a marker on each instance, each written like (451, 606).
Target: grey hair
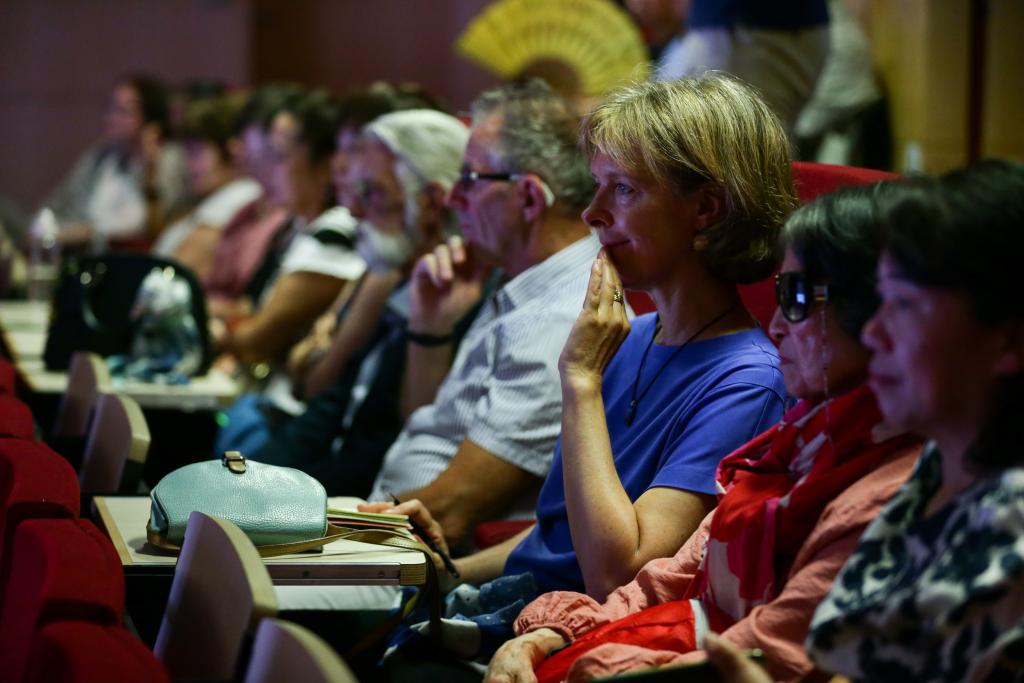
(538, 134)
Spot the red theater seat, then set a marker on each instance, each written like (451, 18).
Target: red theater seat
(493, 533)
(84, 652)
(60, 569)
(35, 483)
(813, 179)
(15, 418)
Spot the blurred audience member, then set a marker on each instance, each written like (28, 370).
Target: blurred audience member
(660, 22)
(216, 181)
(182, 97)
(244, 240)
(123, 188)
(846, 121)
(311, 256)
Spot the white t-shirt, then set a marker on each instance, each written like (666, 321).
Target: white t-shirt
(327, 246)
(214, 211)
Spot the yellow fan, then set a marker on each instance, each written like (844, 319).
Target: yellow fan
(595, 39)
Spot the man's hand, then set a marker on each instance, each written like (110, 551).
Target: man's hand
(421, 516)
(445, 285)
(514, 661)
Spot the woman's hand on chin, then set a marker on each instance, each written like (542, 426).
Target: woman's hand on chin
(599, 330)
(514, 661)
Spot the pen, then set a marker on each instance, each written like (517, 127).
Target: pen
(431, 543)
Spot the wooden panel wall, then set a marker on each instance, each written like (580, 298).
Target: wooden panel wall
(341, 43)
(922, 50)
(1003, 114)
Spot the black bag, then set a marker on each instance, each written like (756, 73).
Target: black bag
(93, 303)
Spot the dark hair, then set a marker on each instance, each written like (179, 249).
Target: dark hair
(317, 116)
(211, 120)
(837, 239)
(153, 100)
(264, 103)
(965, 232)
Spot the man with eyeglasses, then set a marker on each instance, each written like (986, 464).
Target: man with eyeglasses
(484, 417)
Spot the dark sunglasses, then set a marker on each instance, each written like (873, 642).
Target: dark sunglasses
(795, 294)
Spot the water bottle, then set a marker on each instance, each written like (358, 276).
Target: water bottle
(43, 256)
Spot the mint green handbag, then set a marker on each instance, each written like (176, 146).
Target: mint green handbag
(282, 510)
(272, 505)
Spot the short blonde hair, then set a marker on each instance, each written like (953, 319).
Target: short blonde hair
(712, 129)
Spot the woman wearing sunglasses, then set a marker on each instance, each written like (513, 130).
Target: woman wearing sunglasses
(796, 498)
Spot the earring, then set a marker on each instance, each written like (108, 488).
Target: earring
(700, 242)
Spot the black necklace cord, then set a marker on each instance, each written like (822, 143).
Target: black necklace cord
(634, 398)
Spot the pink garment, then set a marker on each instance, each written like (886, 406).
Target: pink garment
(779, 627)
(243, 244)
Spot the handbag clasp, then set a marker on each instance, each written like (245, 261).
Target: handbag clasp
(234, 461)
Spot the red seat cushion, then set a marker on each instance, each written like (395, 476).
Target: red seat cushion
(812, 179)
(60, 569)
(15, 418)
(493, 533)
(84, 652)
(8, 377)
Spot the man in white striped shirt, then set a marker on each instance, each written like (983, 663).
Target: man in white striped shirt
(483, 421)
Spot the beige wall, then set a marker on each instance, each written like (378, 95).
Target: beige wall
(921, 49)
(1003, 117)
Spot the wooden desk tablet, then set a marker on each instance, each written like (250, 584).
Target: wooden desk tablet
(342, 563)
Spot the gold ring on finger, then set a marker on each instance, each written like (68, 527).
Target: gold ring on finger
(617, 296)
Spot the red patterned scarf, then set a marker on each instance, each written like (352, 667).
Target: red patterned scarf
(776, 487)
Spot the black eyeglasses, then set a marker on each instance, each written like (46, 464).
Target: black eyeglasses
(468, 177)
(795, 294)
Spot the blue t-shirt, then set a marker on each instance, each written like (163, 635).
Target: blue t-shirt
(712, 398)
